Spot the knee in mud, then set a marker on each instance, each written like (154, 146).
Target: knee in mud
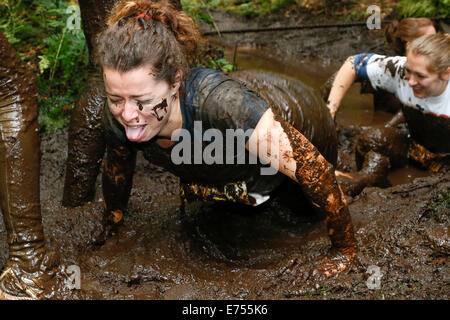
(375, 169)
(389, 142)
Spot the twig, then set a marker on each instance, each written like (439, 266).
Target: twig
(422, 186)
(57, 54)
(212, 19)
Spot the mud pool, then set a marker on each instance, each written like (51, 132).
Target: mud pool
(232, 252)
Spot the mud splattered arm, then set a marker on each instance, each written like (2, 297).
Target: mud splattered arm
(302, 162)
(117, 178)
(344, 79)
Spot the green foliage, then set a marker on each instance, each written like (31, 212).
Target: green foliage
(199, 9)
(218, 64)
(213, 58)
(57, 53)
(252, 8)
(424, 8)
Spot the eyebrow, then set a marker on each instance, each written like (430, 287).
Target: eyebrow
(419, 73)
(135, 96)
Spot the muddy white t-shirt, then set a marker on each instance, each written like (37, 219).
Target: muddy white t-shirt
(388, 73)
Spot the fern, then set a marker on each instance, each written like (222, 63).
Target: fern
(424, 8)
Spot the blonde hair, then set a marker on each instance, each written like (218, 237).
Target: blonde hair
(434, 46)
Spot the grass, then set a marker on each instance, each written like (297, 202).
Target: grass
(438, 210)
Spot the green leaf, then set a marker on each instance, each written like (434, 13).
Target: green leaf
(206, 17)
(44, 64)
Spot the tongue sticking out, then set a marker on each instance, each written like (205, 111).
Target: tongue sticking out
(134, 133)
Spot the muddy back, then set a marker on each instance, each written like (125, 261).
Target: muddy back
(298, 104)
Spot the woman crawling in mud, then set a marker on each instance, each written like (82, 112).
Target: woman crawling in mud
(153, 99)
(420, 82)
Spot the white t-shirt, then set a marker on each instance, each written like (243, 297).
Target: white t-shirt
(388, 73)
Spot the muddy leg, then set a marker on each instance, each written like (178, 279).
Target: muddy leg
(377, 149)
(389, 142)
(117, 181)
(19, 178)
(373, 173)
(86, 145)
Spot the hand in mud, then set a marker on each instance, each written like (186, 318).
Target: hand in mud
(112, 220)
(19, 284)
(335, 262)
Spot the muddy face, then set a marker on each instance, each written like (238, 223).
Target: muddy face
(139, 102)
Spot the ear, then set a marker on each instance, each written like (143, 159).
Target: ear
(178, 78)
(445, 75)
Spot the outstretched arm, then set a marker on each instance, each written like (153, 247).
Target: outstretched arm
(117, 178)
(300, 160)
(344, 79)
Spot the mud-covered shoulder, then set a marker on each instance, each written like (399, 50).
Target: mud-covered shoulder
(221, 102)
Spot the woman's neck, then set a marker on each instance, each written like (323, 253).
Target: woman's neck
(444, 87)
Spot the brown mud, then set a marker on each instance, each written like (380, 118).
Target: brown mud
(237, 252)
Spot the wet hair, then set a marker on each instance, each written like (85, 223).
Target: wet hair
(409, 28)
(434, 46)
(148, 33)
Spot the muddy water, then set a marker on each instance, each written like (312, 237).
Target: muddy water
(356, 108)
(406, 175)
(233, 252)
